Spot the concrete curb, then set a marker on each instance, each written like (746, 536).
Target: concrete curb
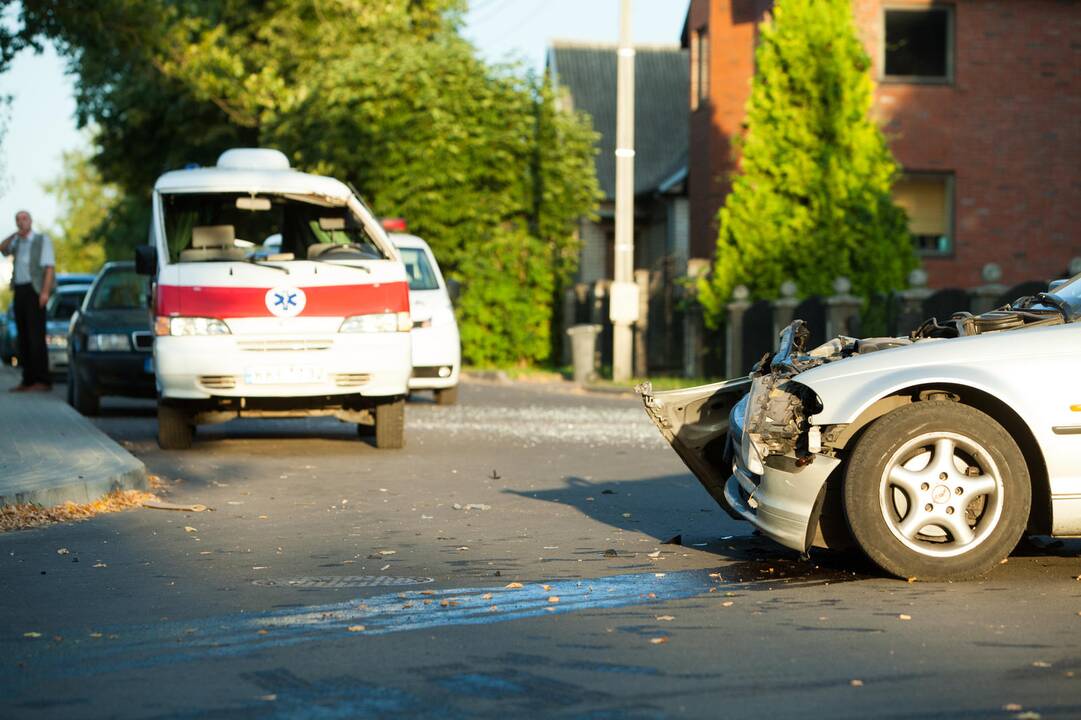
(50, 454)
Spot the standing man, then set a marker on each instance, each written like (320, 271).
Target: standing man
(32, 280)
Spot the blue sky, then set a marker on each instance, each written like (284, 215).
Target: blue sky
(41, 123)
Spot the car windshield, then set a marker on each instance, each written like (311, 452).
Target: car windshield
(1071, 293)
(62, 305)
(212, 227)
(121, 290)
(419, 270)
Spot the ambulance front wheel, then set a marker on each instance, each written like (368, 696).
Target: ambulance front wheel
(390, 424)
(175, 428)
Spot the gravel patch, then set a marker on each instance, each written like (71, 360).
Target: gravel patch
(533, 425)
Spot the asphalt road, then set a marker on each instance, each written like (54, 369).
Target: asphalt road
(335, 580)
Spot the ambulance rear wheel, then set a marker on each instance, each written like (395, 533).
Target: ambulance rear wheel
(175, 428)
(390, 425)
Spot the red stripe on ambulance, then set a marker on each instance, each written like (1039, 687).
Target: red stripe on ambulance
(243, 302)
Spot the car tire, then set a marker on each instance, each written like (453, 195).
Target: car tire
(365, 429)
(390, 425)
(446, 396)
(81, 397)
(175, 428)
(916, 512)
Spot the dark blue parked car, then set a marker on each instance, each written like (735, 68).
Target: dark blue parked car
(110, 341)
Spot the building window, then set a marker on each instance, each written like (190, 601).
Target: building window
(699, 67)
(928, 200)
(918, 45)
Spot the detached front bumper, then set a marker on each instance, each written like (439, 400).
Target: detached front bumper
(784, 500)
(704, 426)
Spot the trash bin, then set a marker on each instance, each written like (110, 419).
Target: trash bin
(584, 351)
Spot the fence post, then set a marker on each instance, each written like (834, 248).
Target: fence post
(641, 326)
(842, 309)
(911, 314)
(734, 350)
(784, 307)
(984, 296)
(570, 317)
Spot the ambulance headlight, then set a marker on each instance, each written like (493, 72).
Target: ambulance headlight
(190, 326)
(377, 322)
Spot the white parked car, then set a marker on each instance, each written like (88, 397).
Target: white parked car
(437, 349)
(934, 453)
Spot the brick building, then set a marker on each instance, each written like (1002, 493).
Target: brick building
(980, 100)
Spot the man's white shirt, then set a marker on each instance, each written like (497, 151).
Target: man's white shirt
(21, 251)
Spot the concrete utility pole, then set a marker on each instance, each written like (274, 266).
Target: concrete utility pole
(623, 300)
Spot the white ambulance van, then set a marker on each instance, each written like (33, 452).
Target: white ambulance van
(276, 294)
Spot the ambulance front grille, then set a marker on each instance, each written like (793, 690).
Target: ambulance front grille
(217, 382)
(285, 344)
(351, 379)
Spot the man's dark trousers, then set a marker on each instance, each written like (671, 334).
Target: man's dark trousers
(30, 321)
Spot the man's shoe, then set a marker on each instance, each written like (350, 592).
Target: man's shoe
(19, 388)
(39, 387)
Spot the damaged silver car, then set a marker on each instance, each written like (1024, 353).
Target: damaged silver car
(933, 453)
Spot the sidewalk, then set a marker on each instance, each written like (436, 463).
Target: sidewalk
(50, 454)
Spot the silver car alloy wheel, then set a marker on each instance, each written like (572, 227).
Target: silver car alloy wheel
(941, 494)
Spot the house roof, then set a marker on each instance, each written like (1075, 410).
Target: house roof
(587, 74)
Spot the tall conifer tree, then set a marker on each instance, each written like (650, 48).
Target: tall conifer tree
(812, 198)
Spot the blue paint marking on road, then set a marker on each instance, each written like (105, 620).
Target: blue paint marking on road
(143, 646)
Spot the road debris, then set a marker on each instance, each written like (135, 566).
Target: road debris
(903, 616)
(654, 554)
(658, 640)
(611, 552)
(153, 503)
(513, 586)
(356, 628)
(665, 618)
(855, 682)
(727, 603)
(553, 599)
(31, 634)
(190, 529)
(63, 551)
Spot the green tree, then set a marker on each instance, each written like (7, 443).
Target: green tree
(85, 202)
(812, 198)
(387, 95)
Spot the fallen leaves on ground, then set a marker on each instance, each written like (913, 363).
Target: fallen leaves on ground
(902, 616)
(190, 529)
(665, 618)
(31, 634)
(855, 683)
(658, 640)
(514, 586)
(355, 628)
(553, 599)
(21, 517)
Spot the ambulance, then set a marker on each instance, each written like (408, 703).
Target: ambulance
(276, 294)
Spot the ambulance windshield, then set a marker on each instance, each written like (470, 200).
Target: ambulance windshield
(214, 227)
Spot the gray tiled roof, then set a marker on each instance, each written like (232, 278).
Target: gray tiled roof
(661, 87)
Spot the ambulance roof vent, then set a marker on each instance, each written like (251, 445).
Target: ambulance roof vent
(253, 159)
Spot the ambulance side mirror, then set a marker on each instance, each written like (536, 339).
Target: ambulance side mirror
(146, 260)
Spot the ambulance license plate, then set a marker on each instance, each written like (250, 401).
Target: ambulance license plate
(283, 375)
